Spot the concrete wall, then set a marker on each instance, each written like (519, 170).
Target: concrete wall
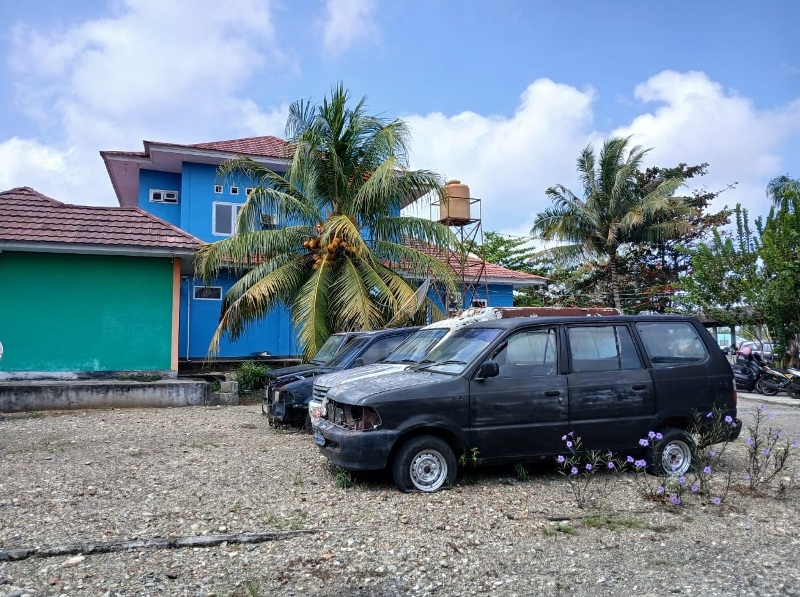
(55, 395)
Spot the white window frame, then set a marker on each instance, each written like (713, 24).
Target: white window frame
(249, 191)
(234, 190)
(207, 298)
(218, 189)
(237, 207)
(163, 196)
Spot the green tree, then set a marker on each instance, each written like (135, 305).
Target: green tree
(612, 212)
(509, 251)
(724, 282)
(341, 254)
(780, 243)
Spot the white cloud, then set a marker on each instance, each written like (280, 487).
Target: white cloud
(693, 119)
(173, 71)
(347, 21)
(686, 117)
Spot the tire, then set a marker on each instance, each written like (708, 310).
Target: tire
(794, 391)
(424, 463)
(766, 388)
(673, 453)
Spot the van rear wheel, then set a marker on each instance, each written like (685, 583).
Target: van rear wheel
(424, 463)
(673, 453)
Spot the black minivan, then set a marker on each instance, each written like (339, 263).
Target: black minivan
(508, 390)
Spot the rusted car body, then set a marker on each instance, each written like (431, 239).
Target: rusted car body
(509, 390)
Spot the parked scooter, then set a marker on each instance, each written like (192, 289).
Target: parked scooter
(748, 371)
(780, 380)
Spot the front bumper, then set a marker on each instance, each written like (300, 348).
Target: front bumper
(352, 449)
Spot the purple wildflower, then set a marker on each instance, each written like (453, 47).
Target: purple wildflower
(651, 434)
(712, 452)
(707, 470)
(611, 465)
(729, 419)
(588, 466)
(762, 407)
(574, 470)
(563, 438)
(746, 477)
(716, 501)
(749, 441)
(660, 489)
(695, 487)
(640, 463)
(659, 436)
(765, 451)
(709, 415)
(681, 480)
(795, 444)
(569, 444)
(676, 501)
(560, 459)
(644, 442)
(630, 459)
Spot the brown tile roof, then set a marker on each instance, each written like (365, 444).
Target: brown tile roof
(268, 146)
(27, 217)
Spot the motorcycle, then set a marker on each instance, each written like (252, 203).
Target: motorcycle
(780, 380)
(748, 372)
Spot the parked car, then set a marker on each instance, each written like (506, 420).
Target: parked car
(415, 347)
(763, 349)
(290, 395)
(509, 390)
(332, 346)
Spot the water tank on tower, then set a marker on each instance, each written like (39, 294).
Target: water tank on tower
(457, 207)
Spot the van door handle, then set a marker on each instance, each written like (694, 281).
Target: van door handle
(640, 386)
(551, 393)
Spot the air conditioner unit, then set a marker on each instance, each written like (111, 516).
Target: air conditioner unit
(162, 196)
(454, 299)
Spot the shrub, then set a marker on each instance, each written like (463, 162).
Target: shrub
(768, 451)
(251, 377)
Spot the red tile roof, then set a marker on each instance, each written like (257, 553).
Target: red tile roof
(27, 216)
(473, 264)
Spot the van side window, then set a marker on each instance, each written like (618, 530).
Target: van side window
(381, 348)
(670, 343)
(528, 354)
(602, 348)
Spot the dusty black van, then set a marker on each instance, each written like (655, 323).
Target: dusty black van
(508, 390)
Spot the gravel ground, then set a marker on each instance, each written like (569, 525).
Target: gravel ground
(91, 477)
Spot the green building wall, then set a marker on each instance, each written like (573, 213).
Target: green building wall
(61, 312)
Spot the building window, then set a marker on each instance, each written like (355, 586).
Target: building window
(249, 191)
(162, 196)
(234, 190)
(477, 303)
(208, 293)
(224, 218)
(218, 189)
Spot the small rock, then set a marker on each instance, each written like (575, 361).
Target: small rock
(73, 561)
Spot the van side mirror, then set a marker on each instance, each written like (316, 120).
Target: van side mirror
(487, 369)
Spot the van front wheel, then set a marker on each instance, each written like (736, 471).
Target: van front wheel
(673, 453)
(425, 463)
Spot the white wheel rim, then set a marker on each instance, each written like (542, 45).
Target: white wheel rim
(676, 458)
(428, 470)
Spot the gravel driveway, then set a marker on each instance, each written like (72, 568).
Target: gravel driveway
(104, 477)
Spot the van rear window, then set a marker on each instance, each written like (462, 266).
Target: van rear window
(670, 343)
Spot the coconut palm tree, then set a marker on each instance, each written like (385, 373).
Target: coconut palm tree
(341, 256)
(612, 210)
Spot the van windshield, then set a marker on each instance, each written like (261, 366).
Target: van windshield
(332, 345)
(458, 351)
(416, 346)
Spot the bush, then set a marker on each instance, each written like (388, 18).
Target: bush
(251, 377)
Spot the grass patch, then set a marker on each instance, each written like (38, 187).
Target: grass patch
(343, 478)
(562, 528)
(613, 523)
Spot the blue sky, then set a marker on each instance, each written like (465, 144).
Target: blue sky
(502, 95)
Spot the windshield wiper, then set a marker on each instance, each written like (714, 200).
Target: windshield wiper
(437, 363)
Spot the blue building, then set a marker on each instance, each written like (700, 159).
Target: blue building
(180, 185)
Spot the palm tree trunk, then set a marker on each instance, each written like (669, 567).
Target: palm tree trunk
(612, 264)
